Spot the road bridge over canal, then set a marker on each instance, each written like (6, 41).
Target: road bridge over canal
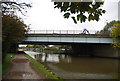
(82, 43)
(66, 37)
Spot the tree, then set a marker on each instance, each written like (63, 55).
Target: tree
(79, 9)
(13, 27)
(9, 7)
(115, 34)
(108, 27)
(13, 30)
(113, 29)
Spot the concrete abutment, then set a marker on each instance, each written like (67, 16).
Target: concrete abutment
(92, 49)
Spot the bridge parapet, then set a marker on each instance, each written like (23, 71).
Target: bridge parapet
(71, 35)
(62, 32)
(67, 37)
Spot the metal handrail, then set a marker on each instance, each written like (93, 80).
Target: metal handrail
(60, 32)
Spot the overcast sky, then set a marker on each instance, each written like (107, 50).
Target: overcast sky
(43, 16)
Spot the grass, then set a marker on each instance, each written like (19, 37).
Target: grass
(7, 62)
(41, 69)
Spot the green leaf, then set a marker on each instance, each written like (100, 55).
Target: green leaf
(79, 16)
(91, 17)
(66, 15)
(84, 18)
(80, 9)
(58, 4)
(96, 17)
(74, 20)
(103, 11)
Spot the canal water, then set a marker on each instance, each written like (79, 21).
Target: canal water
(68, 67)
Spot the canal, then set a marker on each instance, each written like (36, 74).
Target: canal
(69, 67)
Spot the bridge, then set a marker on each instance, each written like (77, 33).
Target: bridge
(66, 36)
(82, 43)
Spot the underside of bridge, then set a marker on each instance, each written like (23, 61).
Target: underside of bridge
(85, 49)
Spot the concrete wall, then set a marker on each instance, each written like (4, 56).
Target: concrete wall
(101, 50)
(105, 50)
(82, 49)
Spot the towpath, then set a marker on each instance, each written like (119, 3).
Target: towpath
(21, 69)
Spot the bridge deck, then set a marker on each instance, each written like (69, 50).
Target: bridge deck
(71, 35)
(69, 38)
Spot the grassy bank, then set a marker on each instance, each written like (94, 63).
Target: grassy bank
(41, 69)
(7, 62)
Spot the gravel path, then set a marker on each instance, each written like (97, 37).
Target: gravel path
(21, 69)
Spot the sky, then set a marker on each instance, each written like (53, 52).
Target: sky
(43, 16)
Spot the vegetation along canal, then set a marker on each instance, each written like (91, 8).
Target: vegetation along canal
(69, 67)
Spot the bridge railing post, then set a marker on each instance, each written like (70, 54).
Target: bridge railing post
(53, 32)
(60, 31)
(73, 31)
(67, 32)
(40, 31)
(34, 32)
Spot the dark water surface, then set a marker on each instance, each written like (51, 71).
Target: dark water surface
(68, 67)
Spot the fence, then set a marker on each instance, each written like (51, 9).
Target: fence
(62, 32)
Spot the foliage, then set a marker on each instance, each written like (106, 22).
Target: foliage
(116, 44)
(115, 34)
(10, 7)
(116, 31)
(51, 49)
(13, 30)
(108, 27)
(113, 29)
(80, 9)
(7, 62)
(39, 46)
(36, 46)
(29, 46)
(65, 47)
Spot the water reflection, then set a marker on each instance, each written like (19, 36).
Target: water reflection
(69, 67)
(53, 58)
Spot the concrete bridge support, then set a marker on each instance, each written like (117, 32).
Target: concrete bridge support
(83, 49)
(105, 50)
(100, 50)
